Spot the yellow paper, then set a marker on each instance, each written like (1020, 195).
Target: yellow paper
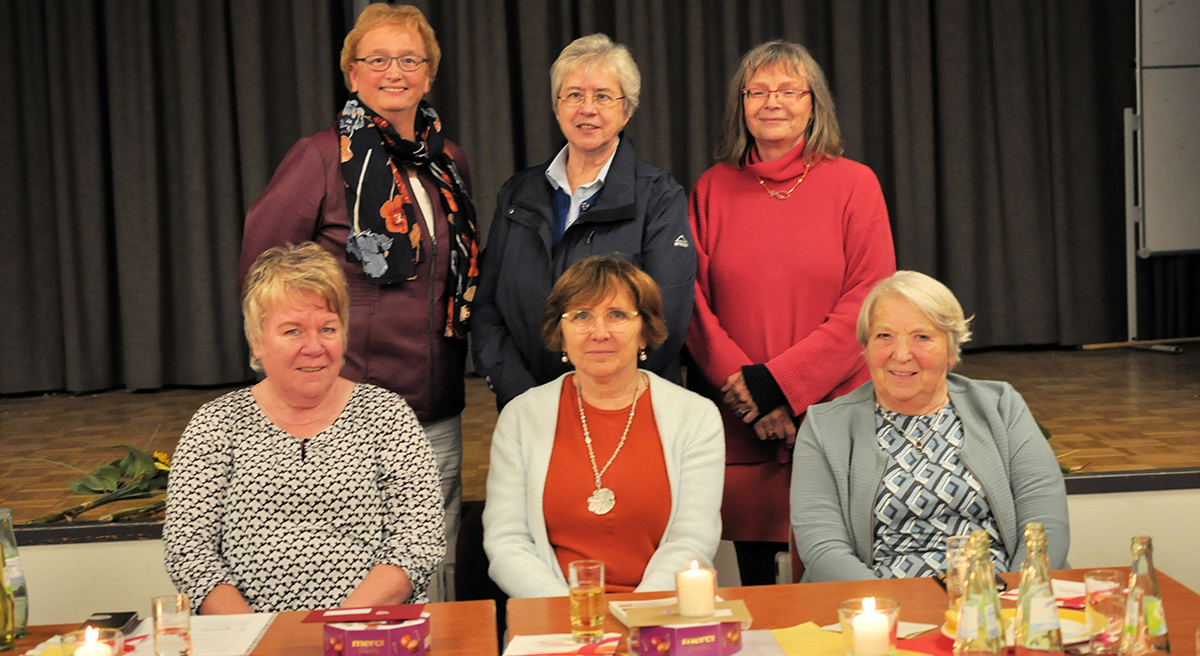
(809, 640)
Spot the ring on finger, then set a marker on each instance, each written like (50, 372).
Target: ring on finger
(771, 434)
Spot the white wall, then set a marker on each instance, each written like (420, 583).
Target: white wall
(69, 582)
(1103, 524)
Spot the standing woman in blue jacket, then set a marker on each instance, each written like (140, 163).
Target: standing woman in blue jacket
(595, 197)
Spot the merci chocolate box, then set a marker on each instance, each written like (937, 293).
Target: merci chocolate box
(704, 639)
(386, 638)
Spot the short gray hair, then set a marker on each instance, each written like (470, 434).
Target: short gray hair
(823, 138)
(926, 295)
(598, 50)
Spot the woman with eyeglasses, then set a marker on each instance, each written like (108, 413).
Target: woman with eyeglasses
(790, 237)
(389, 196)
(594, 197)
(606, 463)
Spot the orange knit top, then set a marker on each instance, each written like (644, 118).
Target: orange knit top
(627, 536)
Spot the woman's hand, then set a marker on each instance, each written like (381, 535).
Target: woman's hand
(737, 397)
(777, 425)
(225, 599)
(384, 585)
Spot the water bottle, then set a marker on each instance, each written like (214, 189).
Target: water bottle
(1145, 629)
(13, 574)
(1037, 629)
(979, 624)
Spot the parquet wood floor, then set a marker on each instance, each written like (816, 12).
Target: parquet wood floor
(1108, 411)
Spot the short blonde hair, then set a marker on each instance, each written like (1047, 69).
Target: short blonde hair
(823, 138)
(597, 50)
(287, 271)
(928, 296)
(590, 281)
(381, 13)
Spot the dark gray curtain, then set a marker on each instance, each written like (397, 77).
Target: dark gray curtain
(134, 134)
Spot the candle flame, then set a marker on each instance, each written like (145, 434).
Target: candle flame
(91, 635)
(869, 604)
(695, 564)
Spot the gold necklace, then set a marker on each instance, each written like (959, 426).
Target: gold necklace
(783, 195)
(603, 499)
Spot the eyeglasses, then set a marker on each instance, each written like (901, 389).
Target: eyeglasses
(380, 63)
(577, 98)
(585, 320)
(784, 95)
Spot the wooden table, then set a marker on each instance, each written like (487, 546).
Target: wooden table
(466, 628)
(779, 606)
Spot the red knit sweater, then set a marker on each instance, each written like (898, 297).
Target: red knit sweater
(781, 281)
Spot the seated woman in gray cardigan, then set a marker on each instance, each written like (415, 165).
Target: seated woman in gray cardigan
(884, 474)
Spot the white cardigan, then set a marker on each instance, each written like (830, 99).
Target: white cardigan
(523, 563)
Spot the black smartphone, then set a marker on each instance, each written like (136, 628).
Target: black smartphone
(125, 621)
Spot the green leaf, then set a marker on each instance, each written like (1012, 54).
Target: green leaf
(136, 463)
(108, 473)
(92, 485)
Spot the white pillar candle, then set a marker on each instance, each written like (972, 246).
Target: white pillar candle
(871, 631)
(697, 590)
(92, 646)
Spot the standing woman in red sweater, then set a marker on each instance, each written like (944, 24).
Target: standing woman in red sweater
(790, 237)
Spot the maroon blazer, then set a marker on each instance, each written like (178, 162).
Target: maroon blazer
(396, 331)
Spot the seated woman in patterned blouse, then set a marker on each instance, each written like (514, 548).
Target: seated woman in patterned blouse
(884, 474)
(306, 490)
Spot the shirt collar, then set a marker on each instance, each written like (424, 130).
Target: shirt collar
(556, 173)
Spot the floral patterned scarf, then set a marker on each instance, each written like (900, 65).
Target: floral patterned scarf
(385, 234)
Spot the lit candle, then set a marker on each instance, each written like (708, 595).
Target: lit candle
(92, 646)
(871, 631)
(697, 590)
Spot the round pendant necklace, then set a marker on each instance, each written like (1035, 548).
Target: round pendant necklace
(782, 195)
(603, 499)
(919, 441)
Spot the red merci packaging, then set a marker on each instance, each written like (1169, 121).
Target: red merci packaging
(707, 639)
(661, 631)
(384, 631)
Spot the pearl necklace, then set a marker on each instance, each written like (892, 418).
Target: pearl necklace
(603, 499)
(782, 195)
(919, 441)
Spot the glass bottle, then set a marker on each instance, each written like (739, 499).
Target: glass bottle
(7, 613)
(1145, 629)
(14, 574)
(1037, 629)
(979, 629)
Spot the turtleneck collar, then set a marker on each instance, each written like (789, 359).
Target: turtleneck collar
(787, 167)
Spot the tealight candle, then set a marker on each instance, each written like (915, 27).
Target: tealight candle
(92, 645)
(871, 629)
(697, 591)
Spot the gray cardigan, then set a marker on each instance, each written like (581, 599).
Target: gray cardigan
(838, 469)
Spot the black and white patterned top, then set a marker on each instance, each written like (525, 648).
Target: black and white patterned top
(927, 495)
(297, 524)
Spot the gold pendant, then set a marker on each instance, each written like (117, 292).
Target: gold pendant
(602, 501)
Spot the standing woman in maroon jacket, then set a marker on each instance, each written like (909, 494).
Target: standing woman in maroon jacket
(790, 237)
(389, 197)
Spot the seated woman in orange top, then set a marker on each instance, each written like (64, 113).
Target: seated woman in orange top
(609, 462)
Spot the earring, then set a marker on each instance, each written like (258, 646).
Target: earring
(564, 357)
(642, 355)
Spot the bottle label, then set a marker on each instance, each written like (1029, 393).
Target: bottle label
(991, 623)
(13, 573)
(1043, 615)
(968, 622)
(1156, 620)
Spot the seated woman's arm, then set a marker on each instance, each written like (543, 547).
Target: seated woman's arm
(225, 599)
(820, 475)
(1039, 492)
(414, 528)
(516, 562)
(194, 524)
(695, 530)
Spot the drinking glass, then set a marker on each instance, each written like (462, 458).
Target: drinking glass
(172, 625)
(957, 564)
(1105, 609)
(586, 578)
